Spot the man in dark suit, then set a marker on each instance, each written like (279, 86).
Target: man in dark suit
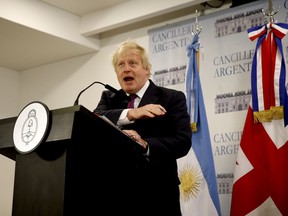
(159, 122)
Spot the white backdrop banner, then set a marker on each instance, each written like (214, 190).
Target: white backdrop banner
(226, 55)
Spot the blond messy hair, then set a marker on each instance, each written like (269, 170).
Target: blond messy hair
(131, 45)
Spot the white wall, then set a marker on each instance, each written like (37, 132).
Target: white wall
(57, 85)
(7, 168)
(9, 92)
(9, 96)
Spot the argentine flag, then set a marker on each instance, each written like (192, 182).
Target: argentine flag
(198, 188)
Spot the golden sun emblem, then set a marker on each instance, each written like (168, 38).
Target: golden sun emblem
(190, 179)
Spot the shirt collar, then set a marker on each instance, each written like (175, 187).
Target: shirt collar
(141, 92)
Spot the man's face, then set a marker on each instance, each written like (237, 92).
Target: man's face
(131, 74)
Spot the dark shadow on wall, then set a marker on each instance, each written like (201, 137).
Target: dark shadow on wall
(236, 3)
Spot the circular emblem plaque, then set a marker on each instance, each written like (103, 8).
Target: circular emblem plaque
(31, 127)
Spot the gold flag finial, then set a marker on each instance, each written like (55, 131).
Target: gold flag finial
(198, 28)
(270, 11)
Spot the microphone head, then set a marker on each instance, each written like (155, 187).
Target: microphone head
(110, 88)
(117, 92)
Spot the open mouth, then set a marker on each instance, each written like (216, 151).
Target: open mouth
(128, 79)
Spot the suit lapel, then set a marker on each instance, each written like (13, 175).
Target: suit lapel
(150, 96)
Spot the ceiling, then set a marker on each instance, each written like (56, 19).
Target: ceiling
(78, 7)
(48, 30)
(23, 47)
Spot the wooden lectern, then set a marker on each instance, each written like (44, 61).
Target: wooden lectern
(86, 166)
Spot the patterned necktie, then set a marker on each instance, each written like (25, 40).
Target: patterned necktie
(132, 99)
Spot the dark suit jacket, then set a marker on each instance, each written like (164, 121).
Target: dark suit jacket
(169, 138)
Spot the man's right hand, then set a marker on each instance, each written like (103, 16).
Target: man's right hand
(147, 111)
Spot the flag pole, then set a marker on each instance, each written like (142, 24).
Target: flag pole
(198, 28)
(197, 31)
(191, 78)
(270, 11)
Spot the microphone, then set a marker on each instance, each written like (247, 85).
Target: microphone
(110, 88)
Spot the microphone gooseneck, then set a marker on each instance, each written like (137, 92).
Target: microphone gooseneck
(110, 88)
